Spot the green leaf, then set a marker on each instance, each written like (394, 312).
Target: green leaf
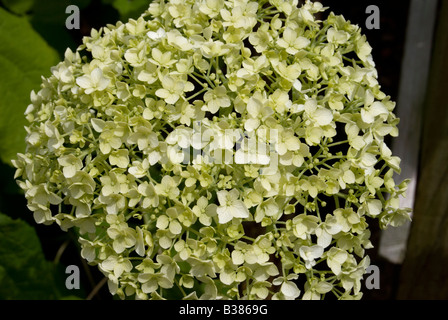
(25, 274)
(130, 8)
(18, 6)
(24, 58)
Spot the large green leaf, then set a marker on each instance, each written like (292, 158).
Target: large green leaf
(24, 271)
(129, 8)
(18, 6)
(24, 58)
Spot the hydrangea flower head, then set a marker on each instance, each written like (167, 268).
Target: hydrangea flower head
(217, 150)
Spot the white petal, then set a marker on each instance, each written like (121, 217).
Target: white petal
(378, 108)
(301, 42)
(98, 124)
(234, 194)
(297, 85)
(96, 75)
(367, 116)
(140, 245)
(84, 82)
(317, 251)
(290, 289)
(104, 82)
(374, 207)
(222, 196)
(224, 214)
(323, 116)
(310, 106)
(251, 124)
(162, 222)
(237, 257)
(69, 171)
(239, 209)
(323, 238)
(175, 227)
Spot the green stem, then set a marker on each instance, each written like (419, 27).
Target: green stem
(337, 143)
(180, 287)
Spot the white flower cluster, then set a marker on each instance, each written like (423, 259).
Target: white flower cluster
(111, 127)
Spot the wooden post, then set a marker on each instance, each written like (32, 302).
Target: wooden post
(411, 99)
(424, 272)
